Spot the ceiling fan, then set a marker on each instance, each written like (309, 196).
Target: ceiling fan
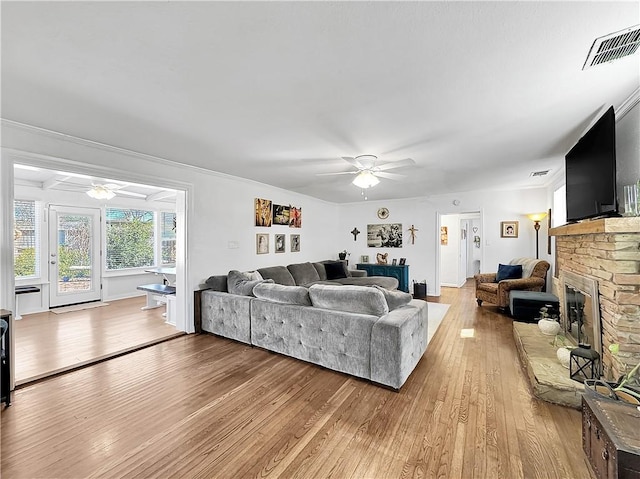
(368, 171)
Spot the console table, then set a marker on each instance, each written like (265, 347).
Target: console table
(401, 273)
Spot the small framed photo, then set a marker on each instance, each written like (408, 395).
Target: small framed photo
(295, 243)
(279, 243)
(403, 261)
(394, 262)
(364, 258)
(262, 243)
(508, 229)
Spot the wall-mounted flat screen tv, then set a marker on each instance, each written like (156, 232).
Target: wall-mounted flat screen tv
(590, 168)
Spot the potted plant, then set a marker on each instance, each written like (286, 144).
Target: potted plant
(626, 388)
(548, 322)
(343, 254)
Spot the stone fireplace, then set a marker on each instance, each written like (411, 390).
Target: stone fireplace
(602, 259)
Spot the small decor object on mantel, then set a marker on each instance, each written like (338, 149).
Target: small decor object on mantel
(548, 324)
(381, 258)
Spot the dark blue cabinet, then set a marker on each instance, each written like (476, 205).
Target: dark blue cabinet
(401, 273)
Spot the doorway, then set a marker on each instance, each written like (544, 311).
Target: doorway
(459, 248)
(74, 258)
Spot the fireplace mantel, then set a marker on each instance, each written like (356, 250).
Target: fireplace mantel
(603, 225)
(607, 251)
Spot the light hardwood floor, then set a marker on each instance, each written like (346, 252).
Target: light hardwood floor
(204, 407)
(48, 343)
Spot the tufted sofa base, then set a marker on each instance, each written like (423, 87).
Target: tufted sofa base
(382, 349)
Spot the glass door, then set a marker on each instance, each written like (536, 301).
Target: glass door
(74, 255)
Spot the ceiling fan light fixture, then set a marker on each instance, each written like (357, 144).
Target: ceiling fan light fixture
(365, 179)
(99, 192)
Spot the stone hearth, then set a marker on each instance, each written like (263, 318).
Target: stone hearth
(549, 380)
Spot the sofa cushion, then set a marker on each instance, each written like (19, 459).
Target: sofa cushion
(506, 271)
(335, 270)
(279, 293)
(303, 273)
(242, 283)
(354, 299)
(279, 274)
(217, 283)
(395, 299)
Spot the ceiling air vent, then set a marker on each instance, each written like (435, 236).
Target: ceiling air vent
(539, 173)
(613, 46)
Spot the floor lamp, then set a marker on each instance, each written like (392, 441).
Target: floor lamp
(536, 218)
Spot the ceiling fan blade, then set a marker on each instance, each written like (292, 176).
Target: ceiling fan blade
(395, 164)
(353, 161)
(391, 176)
(339, 173)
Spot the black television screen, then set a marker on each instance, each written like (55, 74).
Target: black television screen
(590, 168)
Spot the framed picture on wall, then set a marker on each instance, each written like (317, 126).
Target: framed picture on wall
(295, 243)
(508, 229)
(263, 212)
(279, 243)
(262, 243)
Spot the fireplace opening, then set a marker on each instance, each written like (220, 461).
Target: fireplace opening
(580, 311)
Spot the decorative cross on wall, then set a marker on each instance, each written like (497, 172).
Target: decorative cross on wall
(413, 230)
(355, 232)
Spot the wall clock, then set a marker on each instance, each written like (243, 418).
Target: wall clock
(383, 213)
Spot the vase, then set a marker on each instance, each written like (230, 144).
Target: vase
(342, 256)
(549, 327)
(564, 356)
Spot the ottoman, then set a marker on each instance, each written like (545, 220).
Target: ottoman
(525, 305)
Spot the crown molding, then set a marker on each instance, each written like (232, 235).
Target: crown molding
(628, 104)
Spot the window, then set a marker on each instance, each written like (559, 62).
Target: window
(26, 239)
(167, 238)
(130, 238)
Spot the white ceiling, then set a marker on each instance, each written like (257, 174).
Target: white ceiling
(45, 179)
(479, 94)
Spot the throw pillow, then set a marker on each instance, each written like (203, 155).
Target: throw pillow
(353, 299)
(395, 298)
(507, 271)
(242, 283)
(279, 293)
(335, 270)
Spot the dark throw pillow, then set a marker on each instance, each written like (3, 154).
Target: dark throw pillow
(335, 270)
(508, 271)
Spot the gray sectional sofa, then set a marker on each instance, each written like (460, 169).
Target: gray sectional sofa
(359, 325)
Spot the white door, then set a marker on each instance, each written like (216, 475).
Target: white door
(74, 255)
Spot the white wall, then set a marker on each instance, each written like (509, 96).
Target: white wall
(495, 206)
